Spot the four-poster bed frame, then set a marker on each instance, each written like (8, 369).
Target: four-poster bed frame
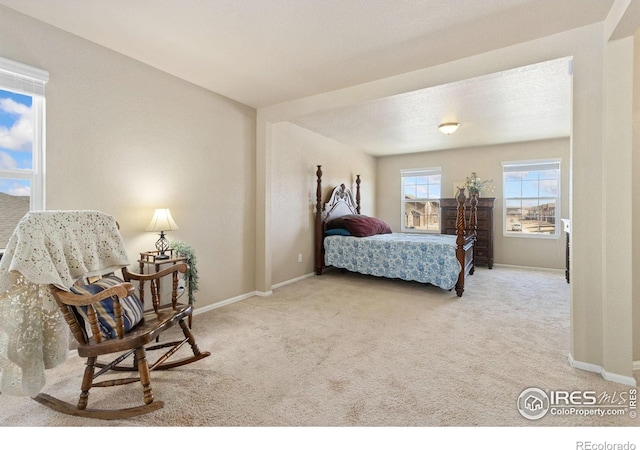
(342, 203)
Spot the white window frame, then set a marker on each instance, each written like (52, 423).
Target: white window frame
(541, 164)
(413, 173)
(27, 80)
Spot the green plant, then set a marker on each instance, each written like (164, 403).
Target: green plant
(475, 185)
(191, 276)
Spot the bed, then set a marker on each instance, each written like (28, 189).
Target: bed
(346, 239)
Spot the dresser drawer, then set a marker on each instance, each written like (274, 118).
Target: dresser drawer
(483, 214)
(450, 213)
(484, 225)
(483, 235)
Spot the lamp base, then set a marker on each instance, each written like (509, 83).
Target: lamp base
(162, 245)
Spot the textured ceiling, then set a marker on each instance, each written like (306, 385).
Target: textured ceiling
(523, 104)
(262, 53)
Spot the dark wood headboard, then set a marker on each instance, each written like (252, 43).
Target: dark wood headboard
(341, 203)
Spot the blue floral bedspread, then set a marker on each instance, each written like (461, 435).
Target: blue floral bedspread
(426, 258)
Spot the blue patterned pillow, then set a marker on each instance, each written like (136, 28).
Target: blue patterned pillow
(132, 307)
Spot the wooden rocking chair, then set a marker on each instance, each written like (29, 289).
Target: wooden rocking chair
(106, 317)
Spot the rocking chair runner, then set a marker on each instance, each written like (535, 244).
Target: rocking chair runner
(102, 316)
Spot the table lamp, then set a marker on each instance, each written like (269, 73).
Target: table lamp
(162, 221)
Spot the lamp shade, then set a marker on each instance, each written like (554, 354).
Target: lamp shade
(162, 221)
(449, 127)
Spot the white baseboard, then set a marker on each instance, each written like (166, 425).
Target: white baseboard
(229, 301)
(540, 269)
(609, 376)
(294, 280)
(239, 298)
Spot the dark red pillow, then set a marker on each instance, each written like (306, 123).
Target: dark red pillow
(362, 226)
(339, 221)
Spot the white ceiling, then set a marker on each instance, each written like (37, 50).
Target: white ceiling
(264, 52)
(524, 104)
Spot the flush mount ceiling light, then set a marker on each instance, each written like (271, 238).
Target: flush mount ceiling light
(449, 127)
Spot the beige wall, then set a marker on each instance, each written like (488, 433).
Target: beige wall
(487, 163)
(617, 171)
(635, 193)
(296, 153)
(590, 341)
(164, 142)
(125, 138)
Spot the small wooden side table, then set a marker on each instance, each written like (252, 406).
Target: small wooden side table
(150, 259)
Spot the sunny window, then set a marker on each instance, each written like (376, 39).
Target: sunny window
(22, 146)
(531, 198)
(421, 192)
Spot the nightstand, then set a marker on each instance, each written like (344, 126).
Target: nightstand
(150, 259)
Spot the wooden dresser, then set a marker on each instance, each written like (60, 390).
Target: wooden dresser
(484, 244)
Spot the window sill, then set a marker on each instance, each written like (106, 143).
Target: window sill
(532, 236)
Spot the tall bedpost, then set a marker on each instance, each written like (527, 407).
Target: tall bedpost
(319, 191)
(358, 193)
(473, 226)
(319, 225)
(460, 240)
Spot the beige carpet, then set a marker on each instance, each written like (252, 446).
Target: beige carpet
(349, 350)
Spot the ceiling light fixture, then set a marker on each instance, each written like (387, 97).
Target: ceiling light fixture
(449, 127)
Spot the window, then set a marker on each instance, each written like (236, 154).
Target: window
(531, 198)
(22, 111)
(421, 189)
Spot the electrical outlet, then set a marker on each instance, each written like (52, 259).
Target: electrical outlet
(299, 257)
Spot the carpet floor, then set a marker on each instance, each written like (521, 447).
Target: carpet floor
(347, 350)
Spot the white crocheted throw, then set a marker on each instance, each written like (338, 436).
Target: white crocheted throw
(47, 248)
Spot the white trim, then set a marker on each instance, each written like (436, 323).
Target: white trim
(263, 293)
(21, 78)
(539, 269)
(609, 376)
(38, 183)
(417, 172)
(513, 234)
(428, 171)
(26, 80)
(533, 162)
(523, 165)
(222, 303)
(23, 70)
(242, 297)
(293, 280)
